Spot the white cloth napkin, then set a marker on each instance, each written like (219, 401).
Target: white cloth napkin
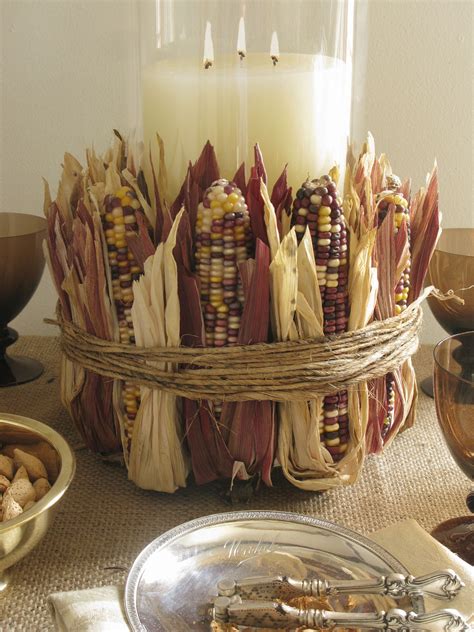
(92, 610)
(101, 609)
(421, 554)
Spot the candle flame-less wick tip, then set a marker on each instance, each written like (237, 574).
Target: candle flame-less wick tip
(241, 54)
(207, 64)
(275, 60)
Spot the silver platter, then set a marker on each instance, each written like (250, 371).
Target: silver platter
(174, 578)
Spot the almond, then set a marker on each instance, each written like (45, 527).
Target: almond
(33, 465)
(28, 505)
(4, 483)
(11, 509)
(22, 491)
(6, 466)
(20, 473)
(42, 451)
(41, 487)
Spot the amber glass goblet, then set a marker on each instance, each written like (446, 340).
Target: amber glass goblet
(454, 398)
(452, 268)
(21, 267)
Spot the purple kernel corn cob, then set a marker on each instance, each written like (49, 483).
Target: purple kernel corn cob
(318, 207)
(120, 217)
(223, 240)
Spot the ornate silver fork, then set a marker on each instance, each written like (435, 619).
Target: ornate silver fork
(444, 584)
(277, 615)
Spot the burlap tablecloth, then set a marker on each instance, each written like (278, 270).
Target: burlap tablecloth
(105, 521)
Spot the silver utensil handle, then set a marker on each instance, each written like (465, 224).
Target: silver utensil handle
(274, 615)
(444, 584)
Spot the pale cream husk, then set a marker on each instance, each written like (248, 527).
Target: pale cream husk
(157, 458)
(296, 311)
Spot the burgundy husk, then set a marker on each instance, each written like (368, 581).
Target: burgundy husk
(259, 164)
(161, 213)
(281, 196)
(385, 256)
(239, 179)
(84, 260)
(425, 231)
(179, 201)
(140, 243)
(386, 267)
(251, 435)
(256, 207)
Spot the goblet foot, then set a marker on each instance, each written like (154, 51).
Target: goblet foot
(457, 535)
(18, 369)
(426, 386)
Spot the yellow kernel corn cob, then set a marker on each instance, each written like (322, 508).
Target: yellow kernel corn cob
(223, 239)
(318, 207)
(393, 196)
(120, 216)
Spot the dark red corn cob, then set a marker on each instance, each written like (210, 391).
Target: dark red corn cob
(318, 207)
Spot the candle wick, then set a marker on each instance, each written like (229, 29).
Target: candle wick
(241, 46)
(274, 49)
(208, 47)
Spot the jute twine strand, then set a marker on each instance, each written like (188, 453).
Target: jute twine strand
(282, 371)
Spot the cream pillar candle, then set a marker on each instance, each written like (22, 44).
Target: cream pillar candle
(297, 109)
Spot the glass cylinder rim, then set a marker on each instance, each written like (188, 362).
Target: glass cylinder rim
(443, 342)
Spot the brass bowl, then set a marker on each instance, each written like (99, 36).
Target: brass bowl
(19, 536)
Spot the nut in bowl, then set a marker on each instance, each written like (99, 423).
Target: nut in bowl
(36, 468)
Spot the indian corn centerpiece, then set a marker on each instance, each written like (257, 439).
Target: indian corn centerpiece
(229, 263)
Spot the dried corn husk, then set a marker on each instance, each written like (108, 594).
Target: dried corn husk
(76, 254)
(241, 443)
(297, 313)
(77, 267)
(157, 458)
(392, 255)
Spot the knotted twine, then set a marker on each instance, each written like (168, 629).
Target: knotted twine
(280, 371)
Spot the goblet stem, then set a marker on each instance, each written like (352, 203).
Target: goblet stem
(18, 369)
(465, 356)
(427, 387)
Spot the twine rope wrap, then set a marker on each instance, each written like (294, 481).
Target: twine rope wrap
(281, 371)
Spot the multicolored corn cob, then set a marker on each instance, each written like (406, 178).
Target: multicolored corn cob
(120, 216)
(318, 207)
(223, 240)
(393, 196)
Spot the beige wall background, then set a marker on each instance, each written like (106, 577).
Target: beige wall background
(67, 73)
